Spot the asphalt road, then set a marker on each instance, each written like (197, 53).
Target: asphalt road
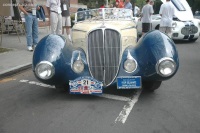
(27, 106)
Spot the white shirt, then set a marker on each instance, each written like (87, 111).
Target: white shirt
(54, 5)
(128, 5)
(147, 10)
(136, 10)
(167, 13)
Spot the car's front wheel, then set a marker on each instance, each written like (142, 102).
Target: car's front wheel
(151, 85)
(62, 87)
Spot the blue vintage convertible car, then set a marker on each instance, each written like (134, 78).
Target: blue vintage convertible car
(105, 52)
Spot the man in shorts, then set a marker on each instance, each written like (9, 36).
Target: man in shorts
(147, 11)
(54, 10)
(66, 20)
(167, 13)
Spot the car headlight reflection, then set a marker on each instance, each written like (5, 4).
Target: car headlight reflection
(44, 70)
(78, 66)
(174, 25)
(166, 67)
(130, 65)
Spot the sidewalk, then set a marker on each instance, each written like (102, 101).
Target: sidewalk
(18, 57)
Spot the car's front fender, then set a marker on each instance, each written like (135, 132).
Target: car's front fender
(151, 48)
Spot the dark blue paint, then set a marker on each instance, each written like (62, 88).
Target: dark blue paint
(152, 47)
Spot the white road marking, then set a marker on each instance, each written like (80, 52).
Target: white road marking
(123, 115)
(36, 83)
(115, 97)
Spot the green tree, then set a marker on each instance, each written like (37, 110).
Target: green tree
(194, 4)
(92, 3)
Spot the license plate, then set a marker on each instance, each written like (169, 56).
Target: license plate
(85, 85)
(133, 82)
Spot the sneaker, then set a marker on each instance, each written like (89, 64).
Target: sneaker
(30, 48)
(34, 47)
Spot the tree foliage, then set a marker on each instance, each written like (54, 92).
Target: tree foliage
(194, 4)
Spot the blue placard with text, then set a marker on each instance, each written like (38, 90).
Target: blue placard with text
(126, 82)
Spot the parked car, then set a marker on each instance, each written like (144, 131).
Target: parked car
(105, 52)
(184, 28)
(197, 15)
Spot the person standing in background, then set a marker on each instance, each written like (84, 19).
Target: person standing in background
(151, 3)
(147, 11)
(166, 12)
(66, 20)
(54, 9)
(136, 11)
(121, 4)
(29, 7)
(116, 4)
(128, 5)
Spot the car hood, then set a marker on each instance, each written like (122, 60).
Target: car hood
(87, 26)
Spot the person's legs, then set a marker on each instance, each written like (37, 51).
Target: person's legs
(63, 25)
(28, 25)
(63, 30)
(59, 25)
(162, 29)
(169, 31)
(145, 28)
(35, 30)
(53, 21)
(68, 27)
(68, 30)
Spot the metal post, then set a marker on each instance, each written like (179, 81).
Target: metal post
(2, 28)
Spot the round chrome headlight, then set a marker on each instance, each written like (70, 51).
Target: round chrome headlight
(44, 70)
(166, 67)
(130, 65)
(78, 66)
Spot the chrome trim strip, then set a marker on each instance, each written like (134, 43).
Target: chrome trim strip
(130, 57)
(79, 56)
(104, 71)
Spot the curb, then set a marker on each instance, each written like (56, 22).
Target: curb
(15, 70)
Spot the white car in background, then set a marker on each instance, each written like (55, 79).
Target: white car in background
(185, 27)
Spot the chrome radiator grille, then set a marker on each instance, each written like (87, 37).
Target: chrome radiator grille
(104, 54)
(189, 30)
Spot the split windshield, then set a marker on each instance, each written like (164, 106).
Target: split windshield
(104, 14)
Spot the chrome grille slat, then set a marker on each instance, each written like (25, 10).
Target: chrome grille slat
(95, 49)
(104, 54)
(112, 50)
